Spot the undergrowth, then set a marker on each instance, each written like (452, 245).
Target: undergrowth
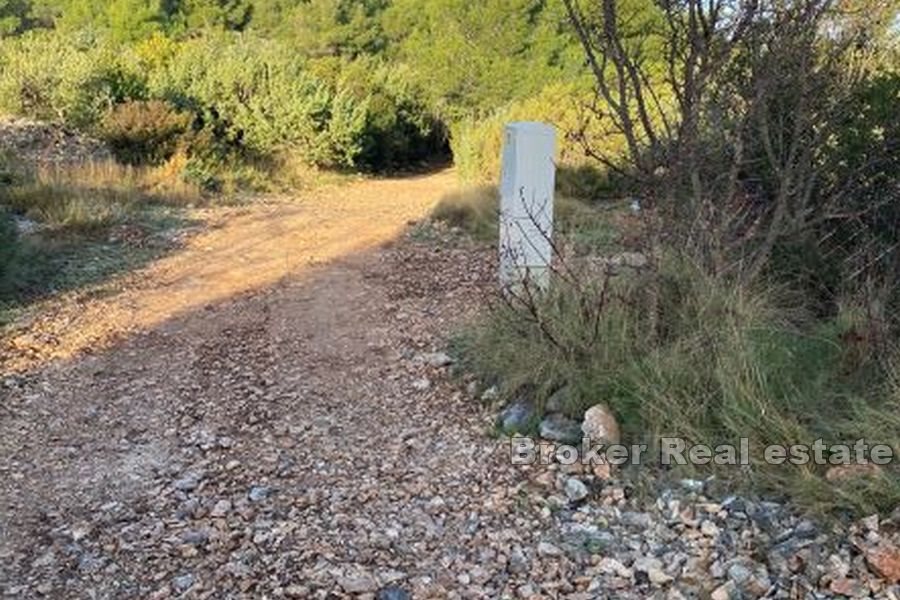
(729, 362)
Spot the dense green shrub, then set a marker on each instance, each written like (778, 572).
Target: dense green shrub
(399, 127)
(474, 57)
(255, 95)
(69, 78)
(333, 112)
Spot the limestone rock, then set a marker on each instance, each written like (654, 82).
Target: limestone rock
(576, 490)
(600, 425)
(518, 417)
(359, 582)
(437, 359)
(884, 560)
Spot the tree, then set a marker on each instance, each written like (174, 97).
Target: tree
(273, 17)
(478, 56)
(338, 27)
(123, 20)
(186, 15)
(129, 20)
(739, 121)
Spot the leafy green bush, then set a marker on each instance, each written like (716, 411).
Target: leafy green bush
(144, 132)
(254, 95)
(64, 78)
(399, 128)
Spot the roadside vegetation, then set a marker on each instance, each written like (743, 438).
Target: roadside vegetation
(754, 293)
(66, 227)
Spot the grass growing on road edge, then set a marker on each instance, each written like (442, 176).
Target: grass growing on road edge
(475, 209)
(730, 362)
(92, 197)
(83, 224)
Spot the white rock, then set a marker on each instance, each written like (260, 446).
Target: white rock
(360, 582)
(653, 568)
(611, 566)
(728, 591)
(709, 529)
(221, 509)
(548, 549)
(437, 359)
(576, 490)
(600, 425)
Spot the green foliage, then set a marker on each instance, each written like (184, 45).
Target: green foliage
(367, 84)
(477, 56)
(63, 78)
(339, 27)
(121, 20)
(475, 209)
(478, 142)
(253, 94)
(399, 127)
(188, 15)
(15, 15)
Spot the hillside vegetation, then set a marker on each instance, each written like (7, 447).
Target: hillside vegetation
(203, 100)
(371, 85)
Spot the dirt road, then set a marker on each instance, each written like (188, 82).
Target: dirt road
(239, 254)
(266, 414)
(259, 415)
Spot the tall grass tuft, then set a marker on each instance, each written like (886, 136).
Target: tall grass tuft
(91, 197)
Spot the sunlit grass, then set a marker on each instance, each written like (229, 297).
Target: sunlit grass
(91, 197)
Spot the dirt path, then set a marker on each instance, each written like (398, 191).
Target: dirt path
(240, 254)
(263, 415)
(259, 416)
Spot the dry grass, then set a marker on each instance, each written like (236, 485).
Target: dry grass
(475, 209)
(93, 196)
(731, 362)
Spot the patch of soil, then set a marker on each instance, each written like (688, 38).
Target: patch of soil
(38, 143)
